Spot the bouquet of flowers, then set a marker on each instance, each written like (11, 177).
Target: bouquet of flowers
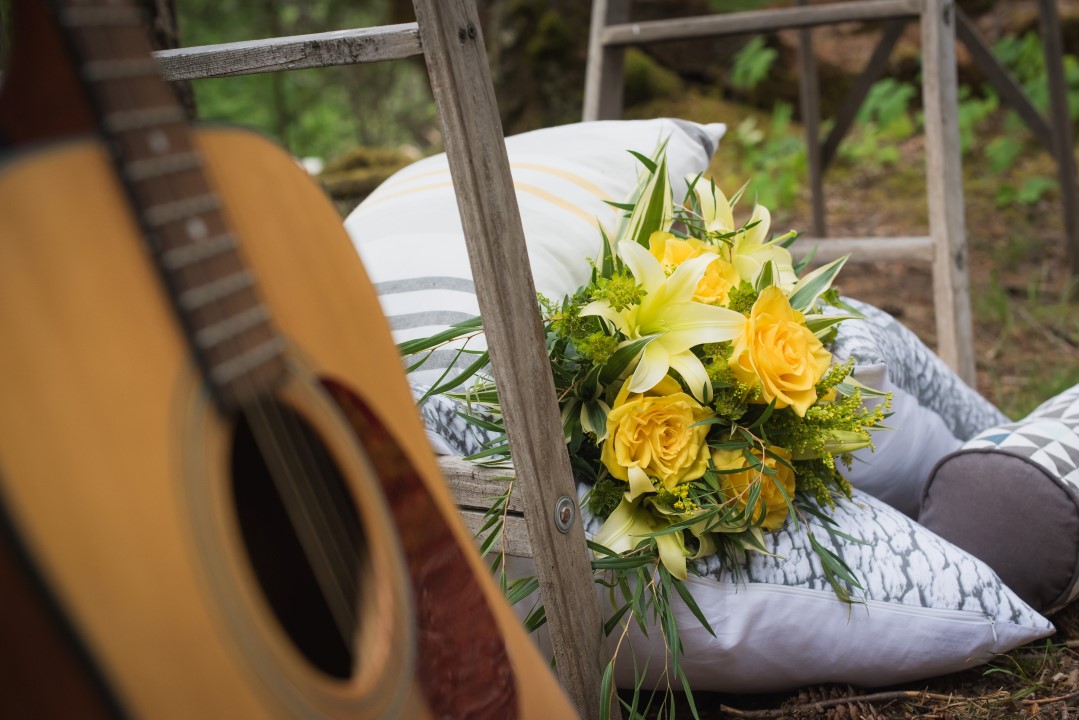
(698, 396)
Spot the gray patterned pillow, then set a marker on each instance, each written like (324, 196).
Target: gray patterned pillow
(1010, 496)
(915, 368)
(928, 607)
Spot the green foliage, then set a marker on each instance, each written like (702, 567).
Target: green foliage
(752, 64)
(973, 112)
(319, 112)
(645, 79)
(775, 158)
(1025, 58)
(887, 106)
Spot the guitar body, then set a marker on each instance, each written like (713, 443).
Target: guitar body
(118, 475)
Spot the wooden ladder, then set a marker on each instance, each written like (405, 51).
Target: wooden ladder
(945, 246)
(447, 33)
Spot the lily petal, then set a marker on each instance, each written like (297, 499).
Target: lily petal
(683, 281)
(653, 365)
(639, 483)
(758, 234)
(645, 268)
(624, 527)
(603, 309)
(672, 553)
(692, 371)
(696, 324)
(715, 208)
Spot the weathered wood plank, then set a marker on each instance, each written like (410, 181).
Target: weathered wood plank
(998, 76)
(944, 178)
(516, 529)
(340, 47)
(862, 250)
(604, 76)
(461, 84)
(809, 99)
(858, 92)
(474, 486)
(756, 21)
(1063, 149)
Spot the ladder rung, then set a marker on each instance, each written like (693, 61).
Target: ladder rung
(340, 47)
(866, 249)
(758, 21)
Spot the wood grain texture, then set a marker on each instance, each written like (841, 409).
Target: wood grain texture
(809, 105)
(516, 532)
(875, 249)
(340, 47)
(944, 178)
(758, 21)
(474, 486)
(460, 80)
(604, 75)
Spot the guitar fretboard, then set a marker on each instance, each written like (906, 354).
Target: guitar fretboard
(214, 294)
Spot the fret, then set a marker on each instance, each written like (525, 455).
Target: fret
(213, 335)
(185, 255)
(123, 68)
(155, 167)
(170, 212)
(215, 290)
(226, 327)
(123, 121)
(84, 17)
(239, 365)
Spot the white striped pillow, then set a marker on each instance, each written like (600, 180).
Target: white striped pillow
(409, 234)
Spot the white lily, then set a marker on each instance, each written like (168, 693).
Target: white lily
(668, 314)
(715, 208)
(751, 250)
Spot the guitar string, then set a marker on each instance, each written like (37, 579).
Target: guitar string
(269, 428)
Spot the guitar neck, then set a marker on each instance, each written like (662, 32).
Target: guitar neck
(145, 129)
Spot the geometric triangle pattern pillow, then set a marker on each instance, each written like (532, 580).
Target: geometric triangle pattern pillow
(1010, 496)
(1049, 436)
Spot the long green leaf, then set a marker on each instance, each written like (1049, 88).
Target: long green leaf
(621, 358)
(481, 362)
(812, 285)
(687, 598)
(465, 327)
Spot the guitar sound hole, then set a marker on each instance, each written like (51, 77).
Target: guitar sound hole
(302, 533)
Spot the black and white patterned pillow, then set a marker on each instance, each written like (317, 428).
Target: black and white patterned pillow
(1010, 495)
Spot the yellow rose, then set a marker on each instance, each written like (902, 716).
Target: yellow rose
(779, 353)
(737, 486)
(650, 434)
(719, 277)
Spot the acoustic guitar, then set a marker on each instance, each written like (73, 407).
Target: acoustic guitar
(216, 499)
